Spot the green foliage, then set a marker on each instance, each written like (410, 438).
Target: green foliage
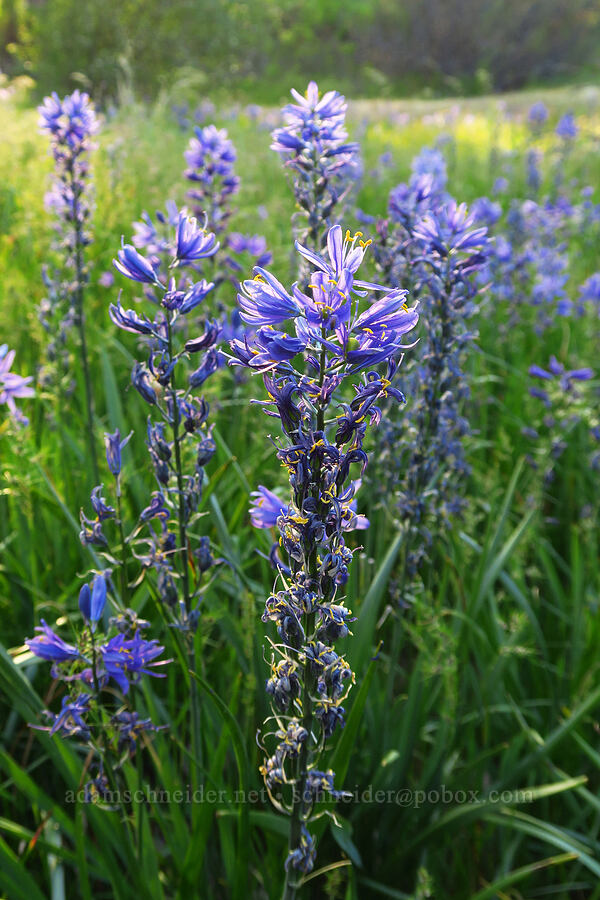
(449, 46)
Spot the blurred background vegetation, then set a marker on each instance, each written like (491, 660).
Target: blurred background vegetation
(382, 48)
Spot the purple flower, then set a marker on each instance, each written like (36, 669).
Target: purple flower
(266, 508)
(129, 320)
(206, 340)
(192, 241)
(107, 279)
(127, 659)
(210, 157)
(303, 856)
(134, 266)
(13, 386)
(140, 379)
(556, 370)
(567, 128)
(264, 300)
(92, 602)
(70, 121)
(430, 163)
(130, 727)
(371, 337)
(49, 646)
(388, 314)
(486, 211)
(274, 347)
(343, 251)
(114, 445)
(69, 722)
(156, 509)
(590, 290)
(450, 230)
(194, 296)
(538, 113)
(207, 367)
(314, 119)
(210, 153)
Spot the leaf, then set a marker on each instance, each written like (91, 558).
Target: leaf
(239, 749)
(491, 891)
(368, 612)
(14, 878)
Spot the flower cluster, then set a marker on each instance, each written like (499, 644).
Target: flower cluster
(394, 250)
(313, 144)
(432, 246)
(317, 352)
(70, 124)
(12, 386)
(179, 439)
(566, 407)
(108, 654)
(210, 157)
(528, 262)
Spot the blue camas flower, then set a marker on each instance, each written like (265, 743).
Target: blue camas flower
(312, 367)
(326, 319)
(179, 440)
(313, 143)
(114, 447)
(92, 601)
(435, 248)
(126, 660)
(211, 157)
(101, 657)
(567, 127)
(192, 241)
(70, 124)
(134, 266)
(49, 646)
(538, 114)
(12, 386)
(71, 722)
(264, 300)
(567, 408)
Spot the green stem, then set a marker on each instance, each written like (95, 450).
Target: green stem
(123, 573)
(80, 318)
(179, 474)
(183, 544)
(291, 884)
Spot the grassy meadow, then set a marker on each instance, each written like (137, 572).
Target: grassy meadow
(476, 709)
